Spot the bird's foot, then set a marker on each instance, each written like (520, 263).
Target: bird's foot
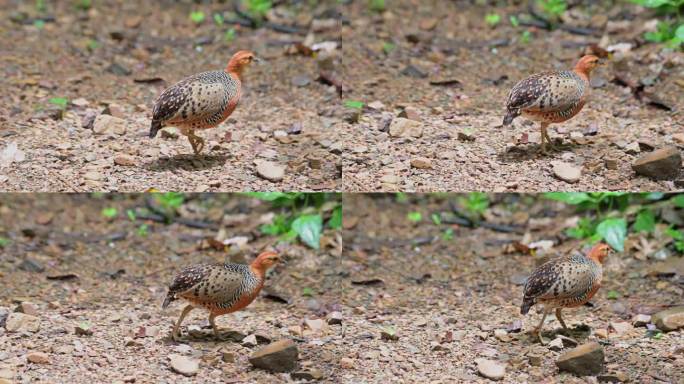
(175, 336)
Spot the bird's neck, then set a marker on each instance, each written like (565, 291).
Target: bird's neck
(581, 72)
(258, 271)
(235, 70)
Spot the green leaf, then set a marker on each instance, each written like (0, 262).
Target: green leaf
(266, 196)
(258, 8)
(613, 295)
(109, 213)
(218, 19)
(388, 47)
(143, 230)
(613, 231)
(679, 33)
(131, 214)
(678, 200)
(514, 20)
(492, 19)
(229, 35)
(525, 37)
(448, 234)
(377, 5)
(414, 217)
(4, 242)
(61, 101)
(353, 104)
(436, 218)
(309, 227)
(38, 23)
(308, 292)
(572, 198)
(197, 17)
(645, 221)
(335, 221)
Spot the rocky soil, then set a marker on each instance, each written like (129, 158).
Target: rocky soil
(80, 299)
(421, 308)
(109, 63)
(434, 91)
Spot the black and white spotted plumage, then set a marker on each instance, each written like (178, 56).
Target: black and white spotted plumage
(562, 282)
(199, 101)
(215, 287)
(547, 96)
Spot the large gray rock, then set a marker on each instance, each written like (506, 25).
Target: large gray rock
(662, 164)
(585, 360)
(279, 356)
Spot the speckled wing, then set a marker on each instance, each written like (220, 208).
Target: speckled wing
(222, 283)
(564, 278)
(547, 92)
(199, 98)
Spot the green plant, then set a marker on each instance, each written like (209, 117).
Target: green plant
(377, 5)
(388, 47)
(40, 6)
(4, 242)
(197, 17)
(59, 101)
(307, 291)
(143, 230)
(492, 19)
(677, 237)
(552, 8)
(83, 5)
(258, 8)
(514, 20)
(110, 212)
(525, 37)
(229, 35)
(218, 19)
(353, 104)
(302, 215)
(414, 217)
(668, 31)
(448, 234)
(475, 203)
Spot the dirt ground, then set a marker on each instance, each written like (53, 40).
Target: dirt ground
(445, 299)
(125, 53)
(451, 72)
(120, 281)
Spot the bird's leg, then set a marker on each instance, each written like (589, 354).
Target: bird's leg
(196, 142)
(560, 319)
(212, 317)
(545, 136)
(539, 327)
(176, 328)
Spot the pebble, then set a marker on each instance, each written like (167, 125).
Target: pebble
(93, 176)
(585, 360)
(346, 363)
(38, 357)
(270, 171)
(335, 317)
(556, 344)
(20, 322)
(250, 341)
(410, 113)
(611, 163)
(678, 138)
(641, 320)
(105, 124)
(633, 148)
(566, 172)
(28, 308)
(669, 320)
(184, 365)
(662, 164)
(421, 163)
(316, 325)
(279, 356)
(501, 335)
(124, 160)
(403, 127)
(308, 375)
(490, 369)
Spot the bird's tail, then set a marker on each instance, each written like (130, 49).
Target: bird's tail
(528, 302)
(154, 128)
(510, 115)
(169, 298)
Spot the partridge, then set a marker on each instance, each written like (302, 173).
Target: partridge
(201, 101)
(551, 97)
(219, 288)
(565, 282)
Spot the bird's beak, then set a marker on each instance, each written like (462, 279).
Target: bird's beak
(602, 63)
(257, 60)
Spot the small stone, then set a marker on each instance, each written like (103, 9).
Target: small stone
(633, 148)
(466, 136)
(410, 113)
(617, 377)
(377, 105)
(28, 308)
(661, 164)
(38, 357)
(80, 102)
(308, 375)
(301, 80)
(316, 325)
(535, 360)
(19, 322)
(106, 124)
(390, 179)
(566, 172)
(93, 176)
(270, 171)
(421, 163)
(668, 320)
(601, 333)
(279, 356)
(184, 365)
(250, 341)
(387, 335)
(621, 327)
(585, 360)
(30, 265)
(228, 356)
(4, 313)
(501, 335)
(678, 138)
(124, 160)
(490, 369)
(115, 110)
(556, 344)
(335, 318)
(83, 330)
(641, 320)
(402, 127)
(611, 163)
(346, 363)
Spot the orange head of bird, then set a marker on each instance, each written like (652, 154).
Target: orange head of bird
(599, 252)
(265, 260)
(240, 61)
(587, 64)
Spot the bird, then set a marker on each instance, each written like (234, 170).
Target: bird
(201, 101)
(564, 282)
(218, 288)
(551, 97)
